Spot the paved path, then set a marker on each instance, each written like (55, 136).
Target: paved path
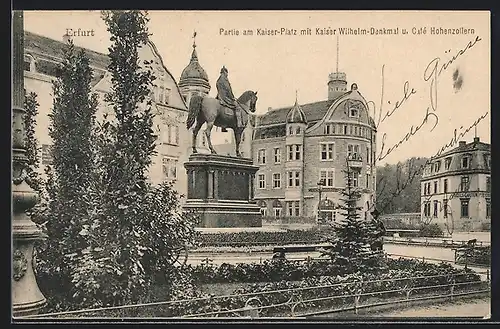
(480, 307)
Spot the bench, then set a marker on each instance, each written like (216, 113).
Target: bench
(280, 252)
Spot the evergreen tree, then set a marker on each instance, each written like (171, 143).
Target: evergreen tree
(71, 203)
(32, 150)
(353, 236)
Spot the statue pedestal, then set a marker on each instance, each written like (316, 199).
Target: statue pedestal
(220, 190)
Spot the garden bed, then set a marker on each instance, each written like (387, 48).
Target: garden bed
(260, 238)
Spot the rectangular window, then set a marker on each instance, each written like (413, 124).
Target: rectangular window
(327, 129)
(298, 152)
(277, 180)
(172, 134)
(290, 152)
(435, 187)
(294, 152)
(356, 130)
(445, 208)
(326, 151)
(261, 156)
(368, 155)
(353, 151)
(354, 113)
(351, 130)
(262, 181)
(445, 186)
(277, 155)
(354, 178)
(345, 129)
(488, 208)
(464, 208)
(170, 168)
(176, 128)
(166, 96)
(290, 179)
(297, 178)
(367, 180)
(277, 212)
(293, 208)
(447, 163)
(328, 177)
(464, 184)
(488, 184)
(297, 208)
(435, 208)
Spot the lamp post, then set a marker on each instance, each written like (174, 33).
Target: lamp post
(26, 296)
(321, 183)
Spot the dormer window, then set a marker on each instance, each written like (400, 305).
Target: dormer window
(437, 166)
(487, 161)
(290, 130)
(29, 63)
(353, 113)
(447, 163)
(466, 162)
(298, 131)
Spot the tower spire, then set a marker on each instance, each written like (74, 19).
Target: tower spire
(194, 39)
(296, 96)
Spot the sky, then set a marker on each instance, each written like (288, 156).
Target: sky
(280, 67)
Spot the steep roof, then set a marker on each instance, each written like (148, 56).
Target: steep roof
(296, 114)
(194, 70)
(54, 48)
(313, 112)
(472, 146)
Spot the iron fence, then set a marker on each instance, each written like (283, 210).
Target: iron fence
(295, 302)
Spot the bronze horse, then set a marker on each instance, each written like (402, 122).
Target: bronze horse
(209, 110)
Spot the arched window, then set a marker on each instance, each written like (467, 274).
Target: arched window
(277, 208)
(263, 207)
(29, 63)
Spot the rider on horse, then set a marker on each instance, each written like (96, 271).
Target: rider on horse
(226, 97)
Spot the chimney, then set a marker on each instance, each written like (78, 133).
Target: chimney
(476, 139)
(461, 143)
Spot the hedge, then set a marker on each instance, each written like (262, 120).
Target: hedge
(241, 239)
(275, 270)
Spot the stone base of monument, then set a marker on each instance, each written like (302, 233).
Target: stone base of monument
(220, 191)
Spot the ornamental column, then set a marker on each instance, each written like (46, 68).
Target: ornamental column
(26, 296)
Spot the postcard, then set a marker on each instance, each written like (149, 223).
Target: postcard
(294, 165)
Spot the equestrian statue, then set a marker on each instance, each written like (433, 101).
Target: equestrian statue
(224, 111)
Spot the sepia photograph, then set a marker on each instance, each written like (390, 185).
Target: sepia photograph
(293, 165)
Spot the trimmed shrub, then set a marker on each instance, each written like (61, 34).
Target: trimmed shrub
(431, 231)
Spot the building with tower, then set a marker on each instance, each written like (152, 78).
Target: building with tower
(303, 150)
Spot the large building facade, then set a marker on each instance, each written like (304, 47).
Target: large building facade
(303, 151)
(169, 101)
(456, 188)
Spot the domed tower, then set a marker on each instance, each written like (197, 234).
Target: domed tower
(194, 79)
(296, 124)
